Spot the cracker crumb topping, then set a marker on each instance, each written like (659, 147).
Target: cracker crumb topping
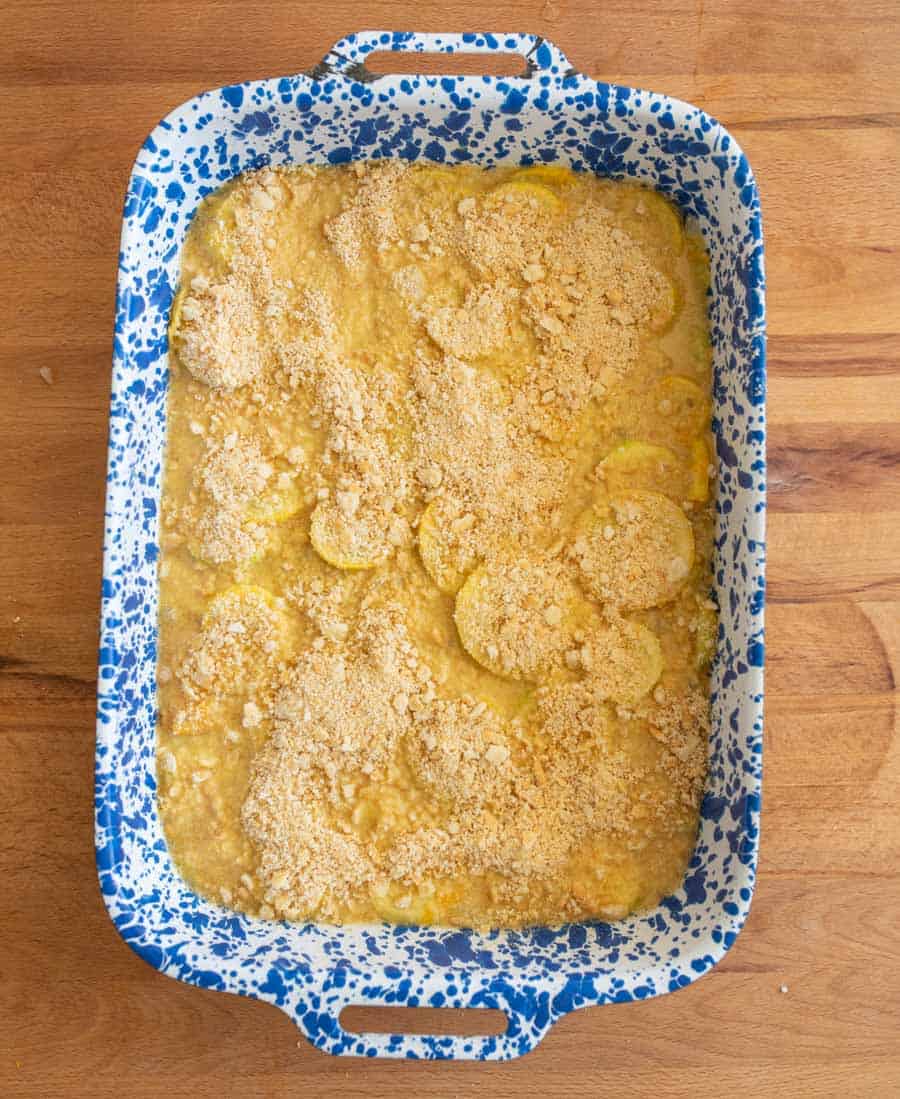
(443, 666)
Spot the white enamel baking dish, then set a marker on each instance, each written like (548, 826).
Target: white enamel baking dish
(341, 112)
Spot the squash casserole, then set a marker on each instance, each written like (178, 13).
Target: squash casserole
(437, 530)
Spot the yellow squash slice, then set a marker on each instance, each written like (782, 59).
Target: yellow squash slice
(196, 718)
(682, 402)
(445, 560)
(528, 190)
(700, 465)
(277, 504)
(405, 908)
(705, 637)
(546, 174)
(260, 617)
(638, 465)
(441, 184)
(238, 597)
(624, 660)
(218, 227)
(657, 222)
(350, 544)
(634, 551)
(664, 309)
(517, 618)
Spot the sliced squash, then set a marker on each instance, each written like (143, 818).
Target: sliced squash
(445, 560)
(277, 504)
(405, 908)
(657, 221)
(624, 660)
(546, 174)
(256, 608)
(218, 227)
(684, 405)
(705, 637)
(238, 597)
(638, 465)
(664, 309)
(196, 718)
(175, 313)
(350, 544)
(634, 550)
(700, 462)
(527, 190)
(444, 184)
(517, 618)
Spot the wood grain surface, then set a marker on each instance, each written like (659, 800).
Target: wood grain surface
(811, 90)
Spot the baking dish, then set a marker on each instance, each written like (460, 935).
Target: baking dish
(338, 112)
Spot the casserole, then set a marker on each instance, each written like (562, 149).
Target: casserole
(341, 112)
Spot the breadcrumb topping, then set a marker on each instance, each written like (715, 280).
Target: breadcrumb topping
(418, 662)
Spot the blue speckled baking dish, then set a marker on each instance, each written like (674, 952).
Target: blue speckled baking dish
(339, 112)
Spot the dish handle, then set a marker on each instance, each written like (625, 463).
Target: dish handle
(529, 1011)
(348, 57)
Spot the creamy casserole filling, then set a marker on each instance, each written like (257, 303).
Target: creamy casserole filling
(435, 622)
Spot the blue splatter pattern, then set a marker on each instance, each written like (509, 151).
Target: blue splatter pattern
(340, 112)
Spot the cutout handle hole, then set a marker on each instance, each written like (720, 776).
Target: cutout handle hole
(474, 1022)
(413, 63)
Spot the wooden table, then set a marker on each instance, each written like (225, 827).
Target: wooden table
(808, 1002)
